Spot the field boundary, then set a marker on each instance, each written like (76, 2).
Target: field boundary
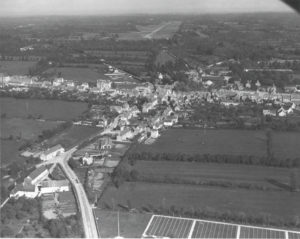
(238, 226)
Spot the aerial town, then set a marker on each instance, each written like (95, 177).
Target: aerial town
(150, 126)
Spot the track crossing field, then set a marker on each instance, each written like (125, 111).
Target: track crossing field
(176, 227)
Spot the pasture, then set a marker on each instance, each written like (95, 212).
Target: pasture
(284, 205)
(229, 142)
(132, 225)
(72, 136)
(77, 74)
(46, 109)
(16, 67)
(202, 172)
(25, 129)
(15, 132)
(164, 30)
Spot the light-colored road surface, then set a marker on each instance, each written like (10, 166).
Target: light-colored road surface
(6, 200)
(88, 220)
(150, 35)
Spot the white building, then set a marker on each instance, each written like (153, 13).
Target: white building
(51, 186)
(22, 190)
(52, 152)
(87, 159)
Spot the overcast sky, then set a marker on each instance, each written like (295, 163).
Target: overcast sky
(70, 7)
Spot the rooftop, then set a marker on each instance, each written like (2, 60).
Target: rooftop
(55, 183)
(53, 149)
(37, 172)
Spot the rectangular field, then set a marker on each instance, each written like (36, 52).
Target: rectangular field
(46, 109)
(277, 204)
(132, 225)
(213, 230)
(175, 227)
(229, 142)
(169, 227)
(16, 67)
(248, 232)
(199, 172)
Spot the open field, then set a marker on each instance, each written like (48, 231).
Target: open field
(132, 225)
(198, 172)
(77, 74)
(24, 128)
(47, 109)
(281, 204)
(164, 30)
(72, 136)
(229, 142)
(16, 67)
(9, 151)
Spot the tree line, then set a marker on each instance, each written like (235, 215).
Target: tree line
(269, 160)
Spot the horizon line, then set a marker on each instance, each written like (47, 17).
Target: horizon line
(141, 14)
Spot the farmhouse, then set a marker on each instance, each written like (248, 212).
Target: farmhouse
(52, 152)
(51, 186)
(37, 176)
(24, 190)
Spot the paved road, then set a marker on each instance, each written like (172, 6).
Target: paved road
(88, 219)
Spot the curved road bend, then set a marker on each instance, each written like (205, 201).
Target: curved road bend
(88, 220)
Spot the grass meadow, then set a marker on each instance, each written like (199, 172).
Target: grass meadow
(229, 142)
(198, 172)
(283, 205)
(47, 109)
